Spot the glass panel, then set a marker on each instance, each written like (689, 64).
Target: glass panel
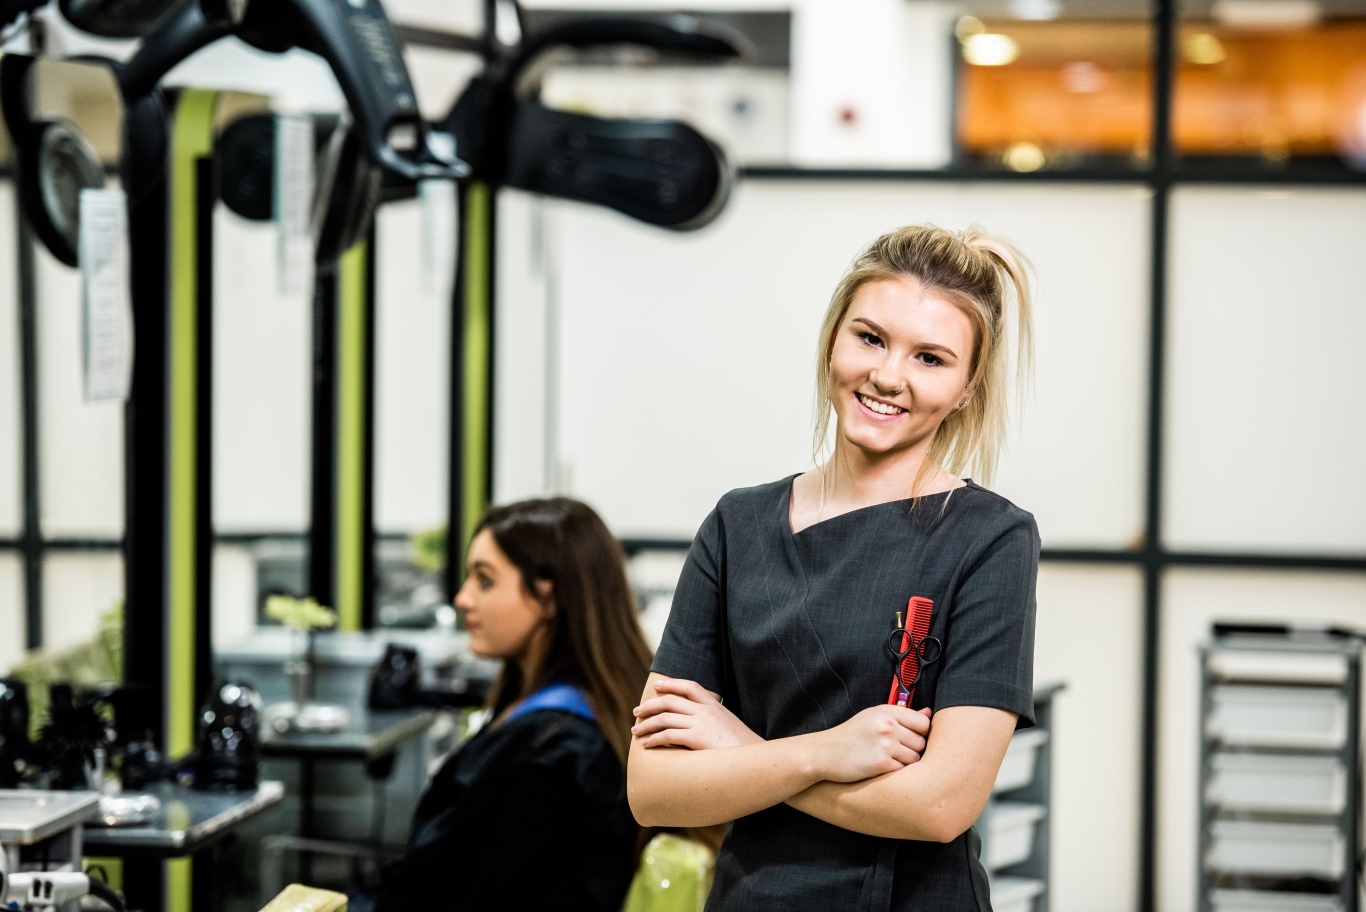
(78, 588)
(12, 627)
(684, 363)
(81, 443)
(1192, 600)
(261, 388)
(1289, 86)
(234, 593)
(11, 427)
(1266, 388)
(415, 267)
(1054, 87)
(1090, 619)
(523, 360)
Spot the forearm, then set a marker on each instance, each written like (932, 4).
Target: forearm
(908, 804)
(935, 799)
(689, 788)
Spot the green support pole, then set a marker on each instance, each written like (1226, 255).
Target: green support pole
(475, 356)
(353, 430)
(192, 140)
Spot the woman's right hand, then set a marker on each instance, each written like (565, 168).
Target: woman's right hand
(881, 739)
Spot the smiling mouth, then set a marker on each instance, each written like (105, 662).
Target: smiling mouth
(882, 408)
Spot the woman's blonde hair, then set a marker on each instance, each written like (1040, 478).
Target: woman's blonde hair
(979, 274)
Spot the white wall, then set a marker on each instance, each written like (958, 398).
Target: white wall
(890, 67)
(1266, 382)
(685, 361)
(414, 272)
(1090, 627)
(80, 443)
(262, 394)
(78, 587)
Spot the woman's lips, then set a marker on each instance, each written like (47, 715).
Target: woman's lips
(875, 416)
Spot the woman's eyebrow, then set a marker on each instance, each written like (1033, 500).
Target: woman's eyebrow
(482, 567)
(927, 346)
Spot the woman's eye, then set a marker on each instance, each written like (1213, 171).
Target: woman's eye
(870, 339)
(484, 583)
(930, 359)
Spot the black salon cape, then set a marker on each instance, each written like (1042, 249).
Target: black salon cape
(530, 814)
(805, 619)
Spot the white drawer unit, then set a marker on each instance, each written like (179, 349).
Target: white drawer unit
(1273, 901)
(1266, 716)
(1278, 667)
(1017, 769)
(1280, 801)
(1285, 783)
(1266, 849)
(1010, 833)
(1014, 894)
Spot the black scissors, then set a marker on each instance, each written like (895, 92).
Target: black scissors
(906, 649)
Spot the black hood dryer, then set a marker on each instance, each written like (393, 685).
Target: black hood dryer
(662, 172)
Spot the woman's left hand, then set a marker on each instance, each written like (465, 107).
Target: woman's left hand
(686, 714)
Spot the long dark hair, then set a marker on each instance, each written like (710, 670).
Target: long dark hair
(595, 638)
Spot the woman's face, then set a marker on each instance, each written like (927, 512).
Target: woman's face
(899, 366)
(504, 621)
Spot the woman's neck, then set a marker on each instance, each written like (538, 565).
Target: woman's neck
(854, 476)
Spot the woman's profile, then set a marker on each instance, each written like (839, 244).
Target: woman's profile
(531, 812)
(779, 672)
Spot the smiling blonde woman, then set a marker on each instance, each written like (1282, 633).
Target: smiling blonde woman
(774, 669)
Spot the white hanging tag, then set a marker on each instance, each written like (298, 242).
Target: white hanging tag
(294, 202)
(438, 201)
(107, 307)
(438, 233)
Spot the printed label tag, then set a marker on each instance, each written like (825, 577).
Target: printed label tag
(294, 202)
(438, 233)
(107, 306)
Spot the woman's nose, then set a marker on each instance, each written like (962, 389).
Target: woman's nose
(887, 380)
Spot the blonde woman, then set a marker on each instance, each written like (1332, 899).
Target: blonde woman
(773, 675)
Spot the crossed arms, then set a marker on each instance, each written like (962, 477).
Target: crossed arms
(887, 771)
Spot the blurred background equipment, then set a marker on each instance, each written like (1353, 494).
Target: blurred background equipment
(227, 754)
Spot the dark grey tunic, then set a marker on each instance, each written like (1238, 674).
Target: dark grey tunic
(792, 630)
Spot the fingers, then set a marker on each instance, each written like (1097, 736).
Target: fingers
(914, 741)
(685, 688)
(673, 737)
(656, 705)
(916, 720)
(660, 722)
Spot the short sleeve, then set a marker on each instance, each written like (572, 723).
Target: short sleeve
(989, 648)
(690, 647)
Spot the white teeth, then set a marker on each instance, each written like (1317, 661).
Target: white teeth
(880, 407)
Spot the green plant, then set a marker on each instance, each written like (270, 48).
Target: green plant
(429, 549)
(303, 614)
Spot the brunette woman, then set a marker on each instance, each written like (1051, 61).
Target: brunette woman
(531, 813)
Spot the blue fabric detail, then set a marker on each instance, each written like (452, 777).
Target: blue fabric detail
(555, 695)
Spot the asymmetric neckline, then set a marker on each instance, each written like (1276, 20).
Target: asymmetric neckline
(787, 504)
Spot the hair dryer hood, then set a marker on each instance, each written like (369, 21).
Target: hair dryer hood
(358, 43)
(116, 18)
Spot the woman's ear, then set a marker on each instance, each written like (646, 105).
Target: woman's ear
(965, 397)
(545, 594)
